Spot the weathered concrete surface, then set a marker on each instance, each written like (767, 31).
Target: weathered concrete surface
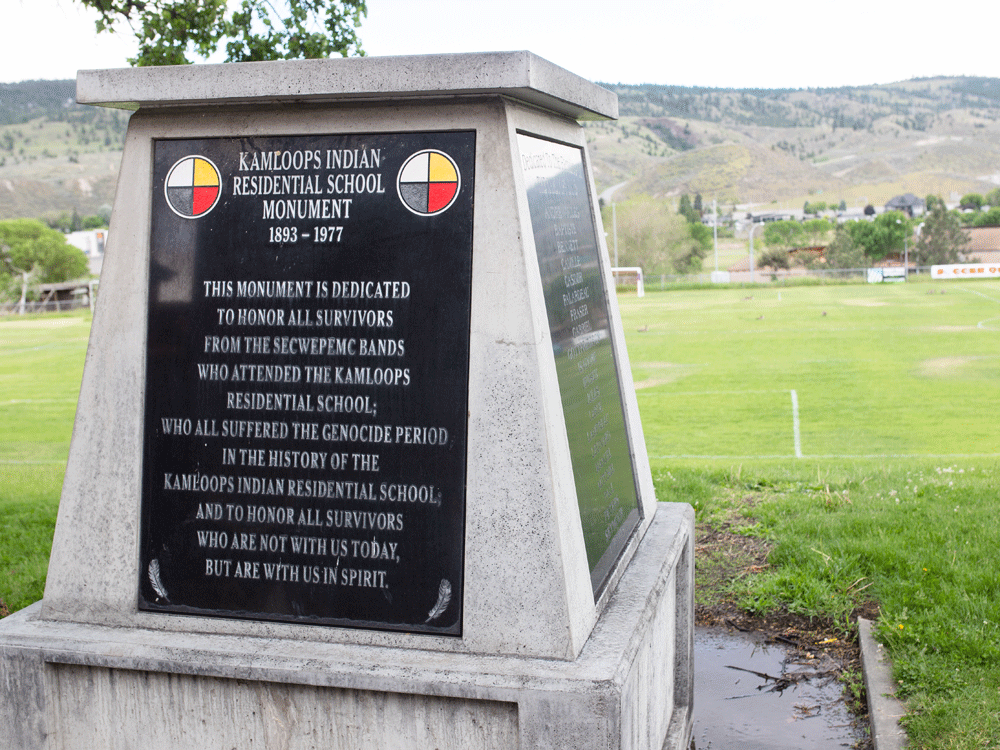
(884, 708)
(538, 656)
(71, 685)
(519, 75)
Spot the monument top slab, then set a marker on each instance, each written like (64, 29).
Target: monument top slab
(518, 75)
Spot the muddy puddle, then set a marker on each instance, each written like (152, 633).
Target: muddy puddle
(746, 709)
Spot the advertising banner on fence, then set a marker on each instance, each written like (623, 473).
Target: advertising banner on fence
(966, 271)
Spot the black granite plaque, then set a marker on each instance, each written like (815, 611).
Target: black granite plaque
(566, 242)
(307, 379)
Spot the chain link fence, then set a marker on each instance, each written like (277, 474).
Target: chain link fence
(654, 282)
(14, 308)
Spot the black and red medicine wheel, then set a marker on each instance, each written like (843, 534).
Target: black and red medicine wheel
(193, 187)
(428, 182)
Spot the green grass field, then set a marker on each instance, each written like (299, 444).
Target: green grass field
(858, 419)
(854, 427)
(41, 364)
(876, 371)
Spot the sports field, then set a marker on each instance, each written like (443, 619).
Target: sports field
(859, 371)
(41, 363)
(853, 427)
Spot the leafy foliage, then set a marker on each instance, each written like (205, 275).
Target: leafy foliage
(941, 238)
(816, 230)
(689, 211)
(989, 218)
(973, 201)
(29, 247)
(844, 252)
(655, 238)
(783, 235)
(774, 257)
(169, 30)
(883, 236)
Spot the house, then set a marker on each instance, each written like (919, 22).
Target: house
(92, 242)
(908, 203)
(984, 245)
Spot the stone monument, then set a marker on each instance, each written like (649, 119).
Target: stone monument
(357, 461)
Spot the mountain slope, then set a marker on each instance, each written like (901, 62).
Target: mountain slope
(862, 144)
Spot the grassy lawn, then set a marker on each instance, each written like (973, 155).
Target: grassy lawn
(851, 425)
(877, 482)
(41, 363)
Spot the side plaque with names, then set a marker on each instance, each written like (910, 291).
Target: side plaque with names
(307, 379)
(566, 243)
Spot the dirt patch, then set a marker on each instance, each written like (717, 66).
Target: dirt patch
(723, 555)
(667, 373)
(3, 608)
(944, 366)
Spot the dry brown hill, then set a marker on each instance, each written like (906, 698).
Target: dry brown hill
(860, 145)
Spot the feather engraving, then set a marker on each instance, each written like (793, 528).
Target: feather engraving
(444, 597)
(154, 580)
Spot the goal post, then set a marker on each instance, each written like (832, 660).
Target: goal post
(624, 273)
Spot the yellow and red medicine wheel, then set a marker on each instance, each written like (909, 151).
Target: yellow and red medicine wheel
(428, 182)
(193, 187)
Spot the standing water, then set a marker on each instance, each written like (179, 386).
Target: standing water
(755, 696)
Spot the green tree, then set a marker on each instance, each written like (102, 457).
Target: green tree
(941, 237)
(883, 236)
(689, 256)
(783, 235)
(815, 230)
(697, 203)
(94, 222)
(686, 210)
(33, 253)
(655, 238)
(774, 257)
(992, 198)
(989, 218)
(844, 252)
(842, 206)
(973, 201)
(169, 30)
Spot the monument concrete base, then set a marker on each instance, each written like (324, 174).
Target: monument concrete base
(71, 685)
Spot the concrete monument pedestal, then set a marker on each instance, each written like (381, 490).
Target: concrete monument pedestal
(357, 460)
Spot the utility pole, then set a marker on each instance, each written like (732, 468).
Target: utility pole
(614, 229)
(715, 230)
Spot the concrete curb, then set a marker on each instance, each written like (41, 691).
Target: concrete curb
(884, 708)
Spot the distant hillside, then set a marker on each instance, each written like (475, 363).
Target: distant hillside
(56, 155)
(859, 144)
(743, 146)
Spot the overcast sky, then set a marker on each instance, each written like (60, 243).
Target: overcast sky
(719, 43)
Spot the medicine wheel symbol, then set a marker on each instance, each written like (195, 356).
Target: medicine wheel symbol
(428, 182)
(193, 187)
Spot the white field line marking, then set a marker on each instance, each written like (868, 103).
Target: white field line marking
(973, 291)
(795, 424)
(707, 393)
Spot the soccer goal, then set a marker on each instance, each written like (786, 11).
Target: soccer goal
(629, 276)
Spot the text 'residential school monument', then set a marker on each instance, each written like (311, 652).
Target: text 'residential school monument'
(357, 461)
